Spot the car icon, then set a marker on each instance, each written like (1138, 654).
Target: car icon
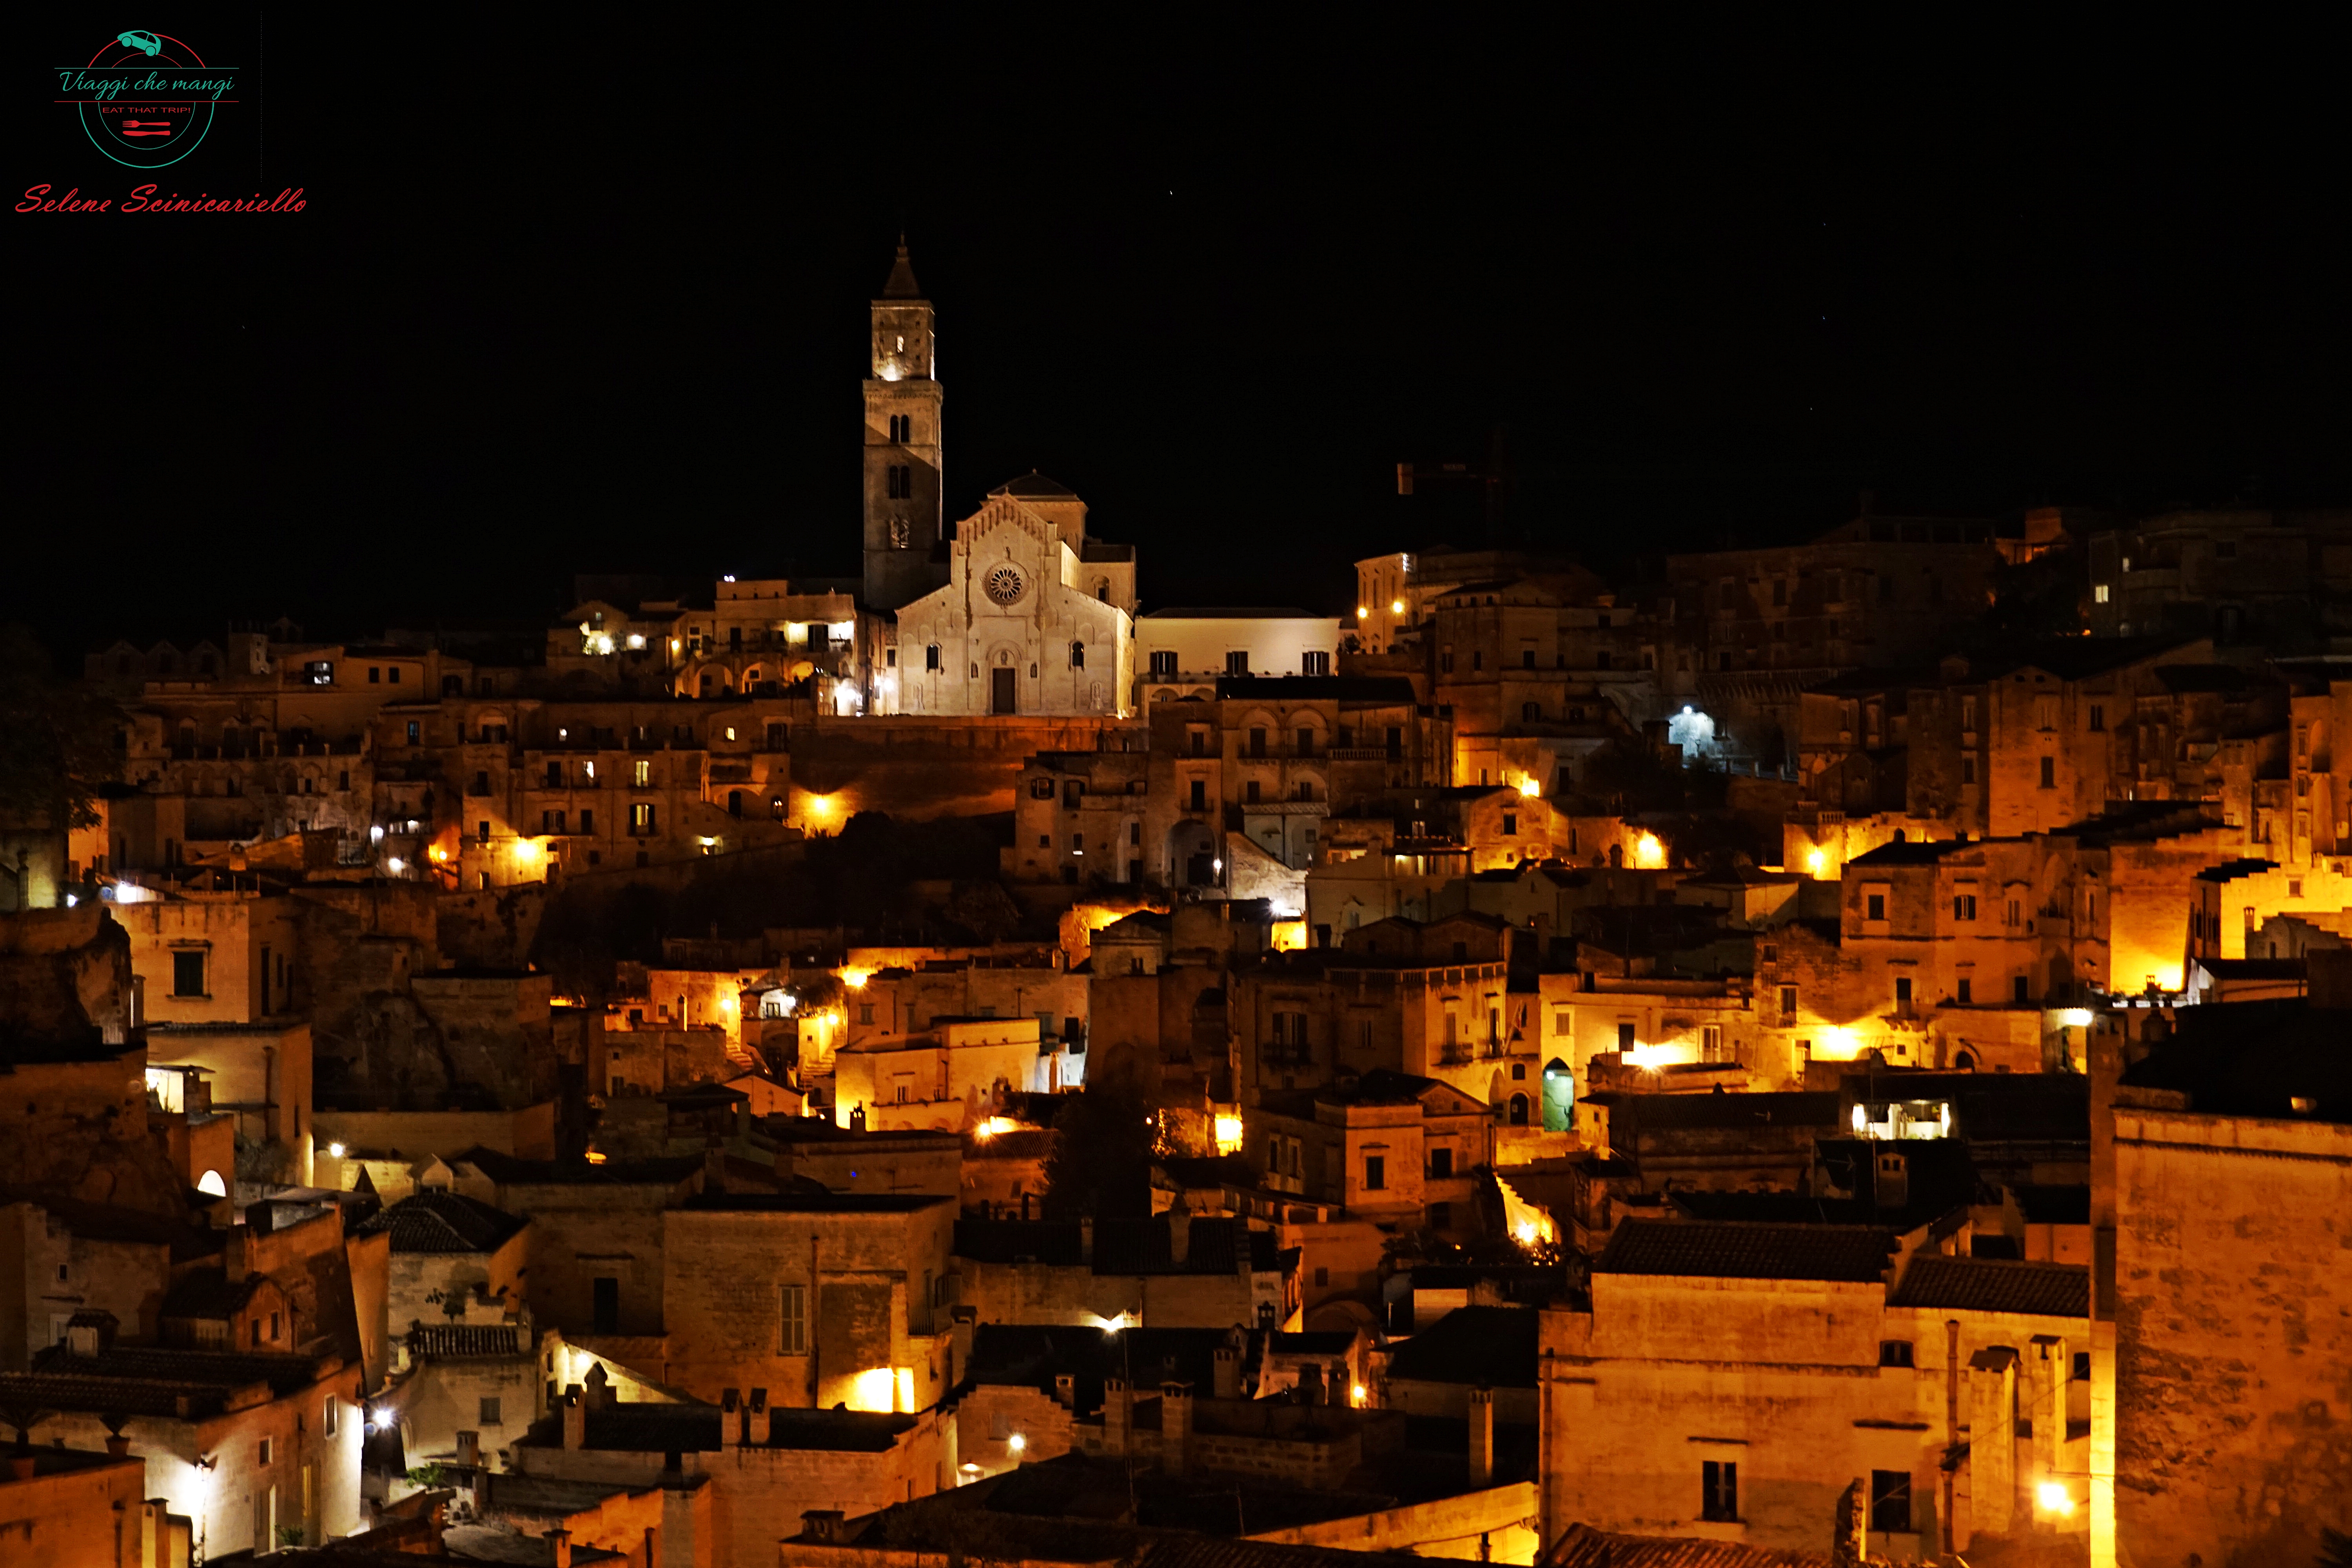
(138, 40)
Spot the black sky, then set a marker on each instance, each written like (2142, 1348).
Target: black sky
(564, 301)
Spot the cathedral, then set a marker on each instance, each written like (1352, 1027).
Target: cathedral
(1012, 610)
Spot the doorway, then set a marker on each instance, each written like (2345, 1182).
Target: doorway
(1000, 690)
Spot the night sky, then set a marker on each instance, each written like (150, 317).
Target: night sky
(564, 301)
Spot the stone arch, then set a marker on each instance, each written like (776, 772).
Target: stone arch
(1192, 855)
(1515, 1112)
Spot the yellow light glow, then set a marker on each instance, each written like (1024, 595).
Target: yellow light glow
(594, 1158)
(2055, 1497)
(1648, 853)
(1287, 936)
(1396, 606)
(439, 853)
(2076, 1017)
(727, 1003)
(1530, 790)
(994, 1125)
(1363, 612)
(336, 1150)
(525, 850)
(855, 979)
(1815, 861)
(819, 807)
(874, 1389)
(1357, 1394)
(1229, 1134)
(1016, 1443)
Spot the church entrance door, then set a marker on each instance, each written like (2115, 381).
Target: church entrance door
(999, 691)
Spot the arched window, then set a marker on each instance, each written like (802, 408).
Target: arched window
(1077, 655)
(1966, 1061)
(1616, 854)
(210, 1183)
(1519, 1110)
(931, 658)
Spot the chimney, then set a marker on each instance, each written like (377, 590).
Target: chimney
(1482, 1437)
(1066, 1390)
(469, 1450)
(1227, 1378)
(560, 1539)
(1992, 1448)
(91, 1333)
(1119, 1413)
(1086, 1233)
(575, 1418)
(599, 1387)
(117, 1445)
(2052, 1369)
(822, 1525)
(1175, 1427)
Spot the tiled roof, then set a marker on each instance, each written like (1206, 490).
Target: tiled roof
(1581, 1546)
(1034, 1356)
(1121, 1246)
(440, 1341)
(1663, 1112)
(1495, 1346)
(1706, 1249)
(1995, 1285)
(445, 1222)
(150, 1380)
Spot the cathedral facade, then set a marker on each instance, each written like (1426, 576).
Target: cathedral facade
(1012, 610)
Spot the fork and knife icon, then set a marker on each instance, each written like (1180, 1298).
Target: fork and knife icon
(146, 128)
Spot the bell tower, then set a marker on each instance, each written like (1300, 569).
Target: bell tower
(904, 559)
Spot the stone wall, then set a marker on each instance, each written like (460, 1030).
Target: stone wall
(2234, 1320)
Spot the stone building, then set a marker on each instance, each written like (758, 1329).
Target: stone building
(1185, 652)
(951, 1076)
(821, 1299)
(1172, 1270)
(1036, 616)
(1733, 1381)
(2221, 1170)
(69, 1509)
(2260, 576)
(1387, 1147)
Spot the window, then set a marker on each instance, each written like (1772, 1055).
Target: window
(1315, 661)
(1077, 655)
(1961, 991)
(1902, 991)
(1720, 1491)
(2098, 716)
(188, 973)
(1510, 825)
(1890, 1501)
(551, 822)
(1441, 1162)
(489, 1410)
(1477, 659)
(1964, 906)
(2049, 773)
(2082, 1367)
(415, 730)
(791, 1334)
(1788, 998)
(1441, 1216)
(1164, 662)
(1306, 743)
(2018, 989)
(265, 1452)
(1376, 1173)
(256, 1326)
(641, 820)
(587, 822)
(1877, 907)
(1237, 661)
(1968, 769)
(931, 658)
(2099, 593)
(1895, 1352)
(641, 773)
(375, 675)
(1625, 1037)
(328, 1420)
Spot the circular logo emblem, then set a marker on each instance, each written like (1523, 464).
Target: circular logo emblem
(1004, 584)
(147, 99)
